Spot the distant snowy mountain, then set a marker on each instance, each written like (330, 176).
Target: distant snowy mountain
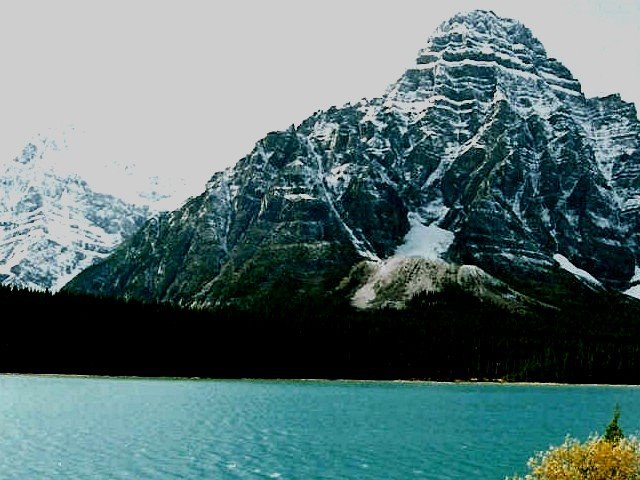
(72, 151)
(52, 224)
(484, 160)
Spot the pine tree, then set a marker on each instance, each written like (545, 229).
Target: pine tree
(613, 433)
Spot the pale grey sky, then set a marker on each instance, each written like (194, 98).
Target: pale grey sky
(187, 87)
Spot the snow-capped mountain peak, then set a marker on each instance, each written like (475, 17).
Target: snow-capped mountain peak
(52, 224)
(485, 149)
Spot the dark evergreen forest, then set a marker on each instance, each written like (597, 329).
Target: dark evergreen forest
(450, 335)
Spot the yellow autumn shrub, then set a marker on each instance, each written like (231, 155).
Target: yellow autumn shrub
(595, 459)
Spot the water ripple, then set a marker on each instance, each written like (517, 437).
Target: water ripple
(123, 429)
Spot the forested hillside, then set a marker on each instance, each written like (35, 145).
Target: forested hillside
(445, 336)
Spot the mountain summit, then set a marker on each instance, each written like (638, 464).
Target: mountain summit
(483, 164)
(52, 224)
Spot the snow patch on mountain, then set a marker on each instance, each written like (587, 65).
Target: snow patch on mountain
(426, 241)
(634, 290)
(636, 276)
(565, 264)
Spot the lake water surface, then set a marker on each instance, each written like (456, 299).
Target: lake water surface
(54, 427)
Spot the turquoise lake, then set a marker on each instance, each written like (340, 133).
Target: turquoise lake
(54, 427)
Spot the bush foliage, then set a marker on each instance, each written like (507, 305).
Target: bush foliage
(607, 457)
(595, 459)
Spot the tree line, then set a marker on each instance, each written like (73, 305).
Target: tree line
(450, 335)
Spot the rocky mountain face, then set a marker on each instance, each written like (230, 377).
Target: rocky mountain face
(484, 153)
(52, 225)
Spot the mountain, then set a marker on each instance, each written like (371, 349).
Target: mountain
(484, 160)
(52, 224)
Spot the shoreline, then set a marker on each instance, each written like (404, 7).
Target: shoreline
(318, 380)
